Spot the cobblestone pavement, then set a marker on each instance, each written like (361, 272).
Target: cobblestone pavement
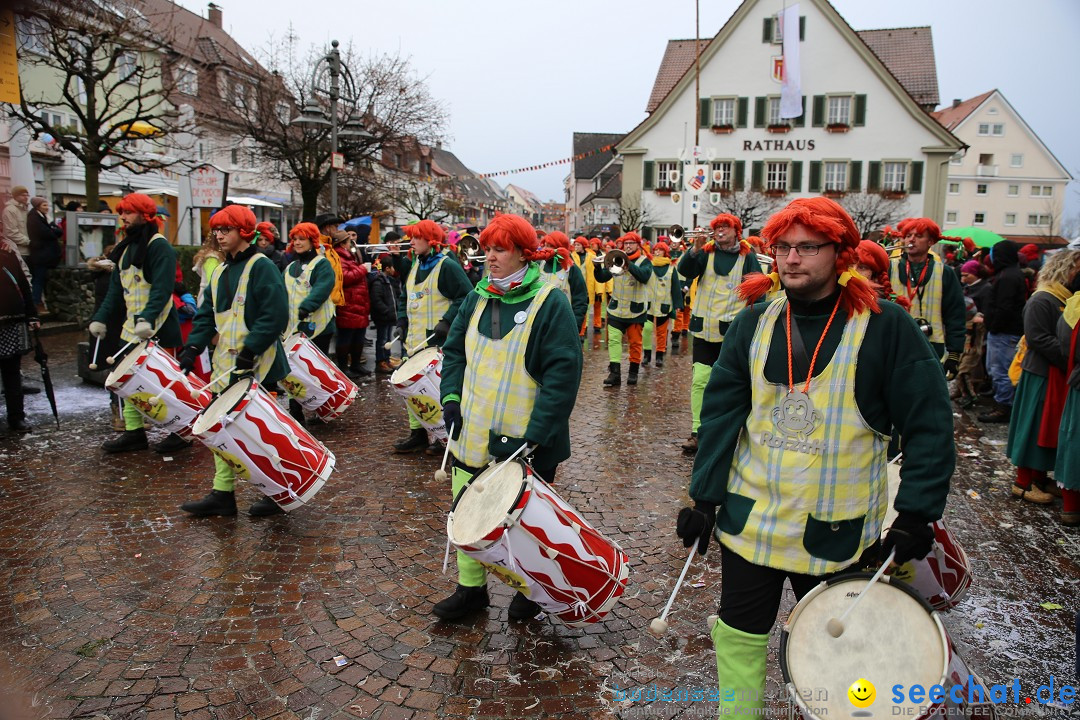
(116, 604)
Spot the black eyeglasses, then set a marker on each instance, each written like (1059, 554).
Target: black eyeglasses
(782, 250)
(223, 230)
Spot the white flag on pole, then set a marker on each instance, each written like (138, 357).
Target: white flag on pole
(791, 89)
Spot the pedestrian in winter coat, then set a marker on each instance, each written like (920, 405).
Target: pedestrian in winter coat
(353, 316)
(267, 242)
(17, 316)
(383, 292)
(46, 250)
(1004, 317)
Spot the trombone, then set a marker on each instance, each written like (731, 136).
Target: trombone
(469, 249)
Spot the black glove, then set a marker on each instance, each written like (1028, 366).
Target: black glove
(951, 365)
(188, 357)
(403, 325)
(442, 329)
(302, 314)
(911, 536)
(245, 362)
(696, 524)
(307, 328)
(451, 413)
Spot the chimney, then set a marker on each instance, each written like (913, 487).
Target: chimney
(955, 103)
(214, 14)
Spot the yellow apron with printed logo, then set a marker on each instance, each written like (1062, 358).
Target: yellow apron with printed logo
(232, 328)
(298, 289)
(137, 295)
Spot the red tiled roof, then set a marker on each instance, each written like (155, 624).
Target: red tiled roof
(908, 53)
(678, 57)
(953, 115)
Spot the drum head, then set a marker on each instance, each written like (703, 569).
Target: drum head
(477, 514)
(221, 406)
(127, 362)
(894, 487)
(891, 638)
(414, 365)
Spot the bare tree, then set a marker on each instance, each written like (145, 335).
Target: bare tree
(752, 208)
(873, 211)
(422, 200)
(382, 92)
(634, 213)
(104, 66)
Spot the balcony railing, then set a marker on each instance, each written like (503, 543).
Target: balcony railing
(986, 170)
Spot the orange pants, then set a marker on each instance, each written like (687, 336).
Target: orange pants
(660, 333)
(682, 320)
(597, 309)
(633, 335)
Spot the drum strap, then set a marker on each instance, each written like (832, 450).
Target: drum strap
(800, 361)
(496, 318)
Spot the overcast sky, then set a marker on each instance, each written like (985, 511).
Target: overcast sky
(519, 78)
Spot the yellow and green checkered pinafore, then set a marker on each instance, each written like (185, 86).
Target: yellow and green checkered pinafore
(298, 289)
(716, 300)
(928, 303)
(424, 304)
(137, 295)
(232, 328)
(560, 278)
(629, 298)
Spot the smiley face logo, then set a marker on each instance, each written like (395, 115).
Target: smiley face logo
(795, 415)
(862, 694)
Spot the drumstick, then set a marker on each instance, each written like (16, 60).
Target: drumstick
(214, 381)
(164, 390)
(112, 358)
(479, 486)
(446, 557)
(659, 625)
(420, 346)
(93, 361)
(835, 626)
(388, 345)
(440, 474)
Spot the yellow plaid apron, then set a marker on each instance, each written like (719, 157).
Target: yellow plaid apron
(232, 329)
(629, 298)
(805, 494)
(660, 292)
(715, 300)
(588, 271)
(136, 295)
(424, 304)
(298, 289)
(928, 305)
(559, 279)
(497, 392)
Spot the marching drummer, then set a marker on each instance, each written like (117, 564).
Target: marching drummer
(141, 286)
(794, 429)
(563, 273)
(433, 293)
(627, 309)
(249, 336)
(511, 372)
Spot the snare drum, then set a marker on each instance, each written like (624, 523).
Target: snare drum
(892, 638)
(263, 444)
(943, 576)
(314, 381)
(418, 380)
(143, 377)
(523, 532)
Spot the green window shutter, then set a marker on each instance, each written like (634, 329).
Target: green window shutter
(650, 175)
(855, 176)
(757, 175)
(759, 111)
(795, 185)
(766, 30)
(815, 176)
(742, 108)
(740, 174)
(802, 27)
(706, 112)
(819, 111)
(801, 120)
(873, 177)
(860, 110)
(915, 186)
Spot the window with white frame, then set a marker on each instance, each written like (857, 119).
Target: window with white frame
(1038, 220)
(836, 176)
(1010, 218)
(664, 171)
(723, 111)
(839, 110)
(776, 176)
(774, 112)
(997, 129)
(187, 80)
(1016, 160)
(1042, 191)
(982, 189)
(954, 188)
(32, 34)
(984, 129)
(722, 178)
(950, 216)
(894, 176)
(127, 67)
(1014, 191)
(980, 219)
(957, 158)
(284, 112)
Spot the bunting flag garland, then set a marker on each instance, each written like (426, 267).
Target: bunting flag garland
(553, 163)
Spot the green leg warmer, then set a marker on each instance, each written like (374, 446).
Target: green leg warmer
(224, 477)
(614, 344)
(740, 671)
(414, 422)
(647, 336)
(470, 572)
(697, 393)
(133, 420)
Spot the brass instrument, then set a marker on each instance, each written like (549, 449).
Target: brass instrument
(676, 232)
(615, 261)
(396, 248)
(468, 248)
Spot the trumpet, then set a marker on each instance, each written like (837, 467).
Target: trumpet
(615, 261)
(469, 249)
(677, 232)
(397, 247)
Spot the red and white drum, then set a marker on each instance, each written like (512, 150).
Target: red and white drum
(418, 380)
(868, 660)
(315, 381)
(943, 576)
(519, 528)
(151, 380)
(263, 444)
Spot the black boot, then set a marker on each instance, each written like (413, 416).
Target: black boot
(172, 443)
(264, 506)
(614, 378)
(464, 601)
(218, 502)
(690, 446)
(357, 366)
(659, 359)
(631, 376)
(647, 357)
(296, 410)
(19, 426)
(129, 440)
(416, 442)
(522, 608)
(343, 365)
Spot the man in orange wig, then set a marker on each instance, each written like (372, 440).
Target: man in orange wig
(628, 309)
(794, 430)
